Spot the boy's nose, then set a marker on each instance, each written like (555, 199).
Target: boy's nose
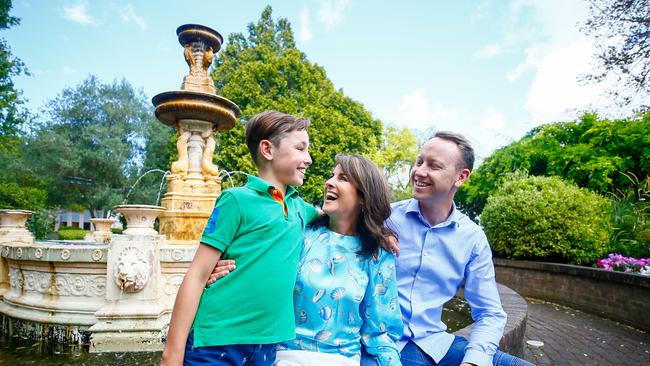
(308, 160)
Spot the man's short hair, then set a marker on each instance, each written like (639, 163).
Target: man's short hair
(272, 126)
(464, 146)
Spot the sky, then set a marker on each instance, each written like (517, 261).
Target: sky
(491, 70)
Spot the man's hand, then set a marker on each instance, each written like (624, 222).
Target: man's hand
(392, 246)
(221, 270)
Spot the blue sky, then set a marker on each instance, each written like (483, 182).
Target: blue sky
(489, 69)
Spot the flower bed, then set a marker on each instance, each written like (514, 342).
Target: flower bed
(617, 262)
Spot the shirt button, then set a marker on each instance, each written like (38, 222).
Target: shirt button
(418, 277)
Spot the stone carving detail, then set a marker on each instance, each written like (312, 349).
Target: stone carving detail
(177, 255)
(16, 281)
(19, 252)
(172, 284)
(96, 255)
(65, 254)
(132, 270)
(38, 253)
(65, 284)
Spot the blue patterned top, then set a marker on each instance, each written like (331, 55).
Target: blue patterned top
(342, 299)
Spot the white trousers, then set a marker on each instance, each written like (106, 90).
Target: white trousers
(307, 358)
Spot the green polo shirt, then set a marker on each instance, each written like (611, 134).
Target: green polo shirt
(254, 303)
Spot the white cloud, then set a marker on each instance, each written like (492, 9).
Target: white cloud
(331, 12)
(416, 111)
(532, 61)
(305, 26)
(488, 51)
(68, 70)
(493, 119)
(78, 13)
(555, 92)
(128, 15)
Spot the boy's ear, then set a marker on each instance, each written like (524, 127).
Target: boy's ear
(266, 150)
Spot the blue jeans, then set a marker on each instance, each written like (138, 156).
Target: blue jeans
(412, 355)
(229, 355)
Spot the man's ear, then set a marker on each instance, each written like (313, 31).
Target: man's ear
(463, 175)
(266, 150)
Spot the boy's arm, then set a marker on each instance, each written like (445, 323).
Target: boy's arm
(187, 302)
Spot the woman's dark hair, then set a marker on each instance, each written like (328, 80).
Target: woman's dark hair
(372, 187)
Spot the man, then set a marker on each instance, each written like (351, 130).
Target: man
(440, 248)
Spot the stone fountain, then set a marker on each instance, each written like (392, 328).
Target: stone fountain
(116, 292)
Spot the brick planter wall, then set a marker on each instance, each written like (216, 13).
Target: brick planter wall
(620, 296)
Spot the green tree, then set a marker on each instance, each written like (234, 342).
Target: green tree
(90, 144)
(265, 71)
(397, 152)
(592, 153)
(621, 31)
(11, 113)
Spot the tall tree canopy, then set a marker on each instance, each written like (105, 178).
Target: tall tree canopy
(90, 145)
(265, 71)
(621, 30)
(592, 153)
(11, 114)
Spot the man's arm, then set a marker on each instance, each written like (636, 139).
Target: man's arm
(483, 297)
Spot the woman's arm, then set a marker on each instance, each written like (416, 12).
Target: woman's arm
(223, 268)
(187, 302)
(382, 320)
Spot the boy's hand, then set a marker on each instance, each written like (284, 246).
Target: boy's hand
(223, 267)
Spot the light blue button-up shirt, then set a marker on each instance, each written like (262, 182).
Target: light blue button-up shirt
(433, 262)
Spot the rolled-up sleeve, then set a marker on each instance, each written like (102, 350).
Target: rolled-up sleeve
(382, 320)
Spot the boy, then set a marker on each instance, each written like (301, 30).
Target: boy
(261, 226)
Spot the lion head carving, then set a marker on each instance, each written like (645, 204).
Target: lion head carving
(132, 270)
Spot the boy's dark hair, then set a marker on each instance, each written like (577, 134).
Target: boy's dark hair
(272, 126)
(464, 146)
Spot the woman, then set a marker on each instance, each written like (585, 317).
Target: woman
(345, 293)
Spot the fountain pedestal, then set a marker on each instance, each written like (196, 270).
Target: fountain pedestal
(132, 316)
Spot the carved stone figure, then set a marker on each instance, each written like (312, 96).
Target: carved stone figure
(132, 270)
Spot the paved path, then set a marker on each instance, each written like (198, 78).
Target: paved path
(572, 337)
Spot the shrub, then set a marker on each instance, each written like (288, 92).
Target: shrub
(545, 218)
(72, 233)
(631, 219)
(41, 224)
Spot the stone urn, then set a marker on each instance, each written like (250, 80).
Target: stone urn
(102, 231)
(13, 228)
(14, 219)
(140, 218)
(102, 225)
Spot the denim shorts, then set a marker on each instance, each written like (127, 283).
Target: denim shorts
(229, 355)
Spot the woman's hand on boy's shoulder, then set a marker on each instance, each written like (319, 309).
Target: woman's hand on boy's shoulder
(222, 269)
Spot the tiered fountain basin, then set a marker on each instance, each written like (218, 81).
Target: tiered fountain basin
(88, 292)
